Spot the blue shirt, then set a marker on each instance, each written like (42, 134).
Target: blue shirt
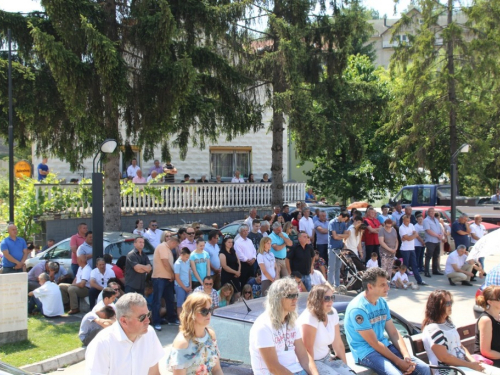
(339, 228)
(493, 277)
(383, 218)
(434, 225)
(213, 251)
(200, 261)
(183, 269)
(15, 248)
(361, 315)
(309, 197)
(321, 238)
(460, 239)
(277, 240)
(43, 167)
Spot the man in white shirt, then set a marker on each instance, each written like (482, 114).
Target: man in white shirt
(245, 251)
(108, 299)
(252, 214)
(153, 234)
(47, 298)
(306, 224)
(408, 234)
(79, 288)
(99, 278)
(86, 248)
(132, 169)
(237, 179)
(317, 278)
(130, 346)
(458, 269)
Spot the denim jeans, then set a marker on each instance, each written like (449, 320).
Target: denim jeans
(323, 252)
(419, 253)
(163, 288)
(334, 265)
(74, 269)
(32, 301)
(382, 366)
(306, 280)
(410, 260)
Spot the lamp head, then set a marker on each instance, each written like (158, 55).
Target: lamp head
(108, 146)
(465, 147)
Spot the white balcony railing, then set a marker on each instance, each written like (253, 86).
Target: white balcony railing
(178, 197)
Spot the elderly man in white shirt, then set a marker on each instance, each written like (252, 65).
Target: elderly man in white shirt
(245, 251)
(79, 288)
(47, 298)
(153, 234)
(458, 269)
(306, 224)
(130, 346)
(237, 179)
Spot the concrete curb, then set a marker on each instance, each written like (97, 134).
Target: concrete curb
(52, 364)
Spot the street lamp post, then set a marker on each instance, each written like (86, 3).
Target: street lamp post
(107, 147)
(453, 175)
(11, 136)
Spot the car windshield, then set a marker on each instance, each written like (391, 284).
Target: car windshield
(448, 214)
(119, 249)
(444, 192)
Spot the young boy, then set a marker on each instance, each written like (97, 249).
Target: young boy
(400, 279)
(373, 262)
(298, 278)
(182, 271)
(256, 282)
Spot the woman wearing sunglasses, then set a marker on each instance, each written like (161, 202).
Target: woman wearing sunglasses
(441, 338)
(194, 350)
(320, 328)
(276, 345)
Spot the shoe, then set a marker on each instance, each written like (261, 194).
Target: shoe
(422, 283)
(437, 273)
(157, 327)
(472, 279)
(164, 321)
(451, 282)
(466, 283)
(176, 322)
(73, 311)
(410, 273)
(427, 274)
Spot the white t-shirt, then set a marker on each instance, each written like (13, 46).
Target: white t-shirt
(101, 279)
(237, 180)
(408, 231)
(352, 241)
(478, 230)
(263, 335)
(84, 274)
(99, 305)
(132, 171)
(401, 277)
(442, 334)
(50, 296)
(306, 225)
(421, 233)
(267, 258)
(317, 278)
(371, 263)
(324, 335)
(454, 258)
(111, 352)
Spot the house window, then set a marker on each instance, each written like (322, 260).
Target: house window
(225, 160)
(126, 156)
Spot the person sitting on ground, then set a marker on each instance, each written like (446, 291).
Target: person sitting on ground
(366, 318)
(458, 269)
(246, 293)
(108, 299)
(99, 278)
(80, 287)
(487, 343)
(373, 262)
(208, 289)
(194, 350)
(225, 295)
(94, 321)
(440, 337)
(298, 279)
(276, 345)
(57, 274)
(400, 279)
(317, 278)
(320, 328)
(256, 284)
(117, 288)
(47, 298)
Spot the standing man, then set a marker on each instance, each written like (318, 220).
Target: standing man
(366, 318)
(189, 241)
(306, 224)
(163, 280)
(132, 169)
(384, 215)
(321, 226)
(310, 196)
(153, 234)
(409, 212)
(255, 235)
(433, 238)
(47, 298)
(337, 233)
(408, 235)
(212, 248)
(460, 231)
(99, 278)
(15, 251)
(170, 172)
(371, 234)
(237, 179)
(279, 242)
(156, 168)
(495, 197)
(397, 214)
(285, 212)
(43, 169)
(252, 214)
(245, 251)
(477, 231)
(74, 243)
(86, 248)
(301, 258)
(129, 346)
(137, 267)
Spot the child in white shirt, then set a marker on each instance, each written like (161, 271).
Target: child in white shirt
(373, 262)
(400, 280)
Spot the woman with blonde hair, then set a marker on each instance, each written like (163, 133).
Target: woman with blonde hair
(225, 295)
(267, 264)
(194, 350)
(488, 327)
(320, 328)
(246, 293)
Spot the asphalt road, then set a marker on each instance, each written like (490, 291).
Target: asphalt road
(408, 303)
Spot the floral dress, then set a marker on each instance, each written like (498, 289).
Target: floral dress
(199, 358)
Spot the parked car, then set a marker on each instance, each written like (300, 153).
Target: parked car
(115, 243)
(331, 211)
(231, 229)
(8, 369)
(206, 229)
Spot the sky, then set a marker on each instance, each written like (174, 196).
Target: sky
(383, 6)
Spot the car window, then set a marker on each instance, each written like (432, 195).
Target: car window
(424, 195)
(119, 249)
(61, 251)
(232, 230)
(406, 196)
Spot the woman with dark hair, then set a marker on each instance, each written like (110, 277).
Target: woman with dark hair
(353, 242)
(296, 216)
(139, 227)
(251, 178)
(488, 325)
(441, 338)
(231, 266)
(320, 328)
(121, 263)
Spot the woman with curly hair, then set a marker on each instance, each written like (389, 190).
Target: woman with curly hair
(276, 346)
(320, 328)
(194, 350)
(441, 338)
(488, 325)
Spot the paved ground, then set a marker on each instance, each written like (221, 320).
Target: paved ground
(409, 304)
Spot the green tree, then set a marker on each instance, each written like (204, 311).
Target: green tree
(164, 72)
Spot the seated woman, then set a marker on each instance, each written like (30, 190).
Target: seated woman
(487, 326)
(246, 293)
(276, 345)
(320, 328)
(194, 350)
(225, 295)
(441, 338)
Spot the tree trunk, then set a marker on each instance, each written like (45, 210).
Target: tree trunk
(112, 201)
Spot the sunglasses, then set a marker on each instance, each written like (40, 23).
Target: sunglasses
(204, 311)
(328, 298)
(154, 225)
(448, 303)
(208, 284)
(190, 233)
(142, 318)
(248, 293)
(292, 296)
(117, 290)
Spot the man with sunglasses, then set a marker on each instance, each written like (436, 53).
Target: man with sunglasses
(130, 346)
(153, 234)
(208, 288)
(190, 241)
(99, 278)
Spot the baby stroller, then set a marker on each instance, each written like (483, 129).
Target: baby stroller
(351, 271)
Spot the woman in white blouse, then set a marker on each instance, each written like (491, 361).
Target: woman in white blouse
(267, 264)
(320, 328)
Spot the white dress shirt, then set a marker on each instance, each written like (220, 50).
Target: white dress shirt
(101, 279)
(244, 249)
(50, 296)
(153, 236)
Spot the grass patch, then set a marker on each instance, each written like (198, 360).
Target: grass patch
(45, 340)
